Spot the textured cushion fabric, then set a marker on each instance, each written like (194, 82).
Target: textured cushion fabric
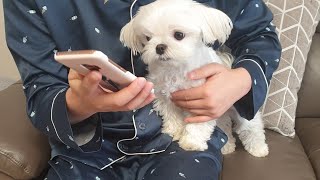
(24, 151)
(5, 177)
(308, 130)
(286, 161)
(309, 98)
(296, 21)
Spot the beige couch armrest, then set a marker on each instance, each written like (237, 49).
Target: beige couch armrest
(24, 151)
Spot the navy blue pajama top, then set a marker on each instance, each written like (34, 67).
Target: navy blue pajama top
(36, 29)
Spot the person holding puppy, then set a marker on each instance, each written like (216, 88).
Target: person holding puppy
(99, 135)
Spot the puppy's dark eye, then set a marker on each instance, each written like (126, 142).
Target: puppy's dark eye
(178, 35)
(148, 38)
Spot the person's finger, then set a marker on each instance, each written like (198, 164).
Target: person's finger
(148, 100)
(198, 119)
(202, 112)
(74, 75)
(206, 71)
(90, 82)
(126, 94)
(141, 97)
(188, 94)
(193, 104)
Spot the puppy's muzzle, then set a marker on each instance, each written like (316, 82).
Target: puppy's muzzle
(161, 48)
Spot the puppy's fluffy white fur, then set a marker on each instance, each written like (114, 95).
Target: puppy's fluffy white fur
(158, 24)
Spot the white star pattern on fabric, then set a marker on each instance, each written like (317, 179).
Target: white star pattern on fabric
(182, 175)
(32, 113)
(151, 111)
(110, 159)
(98, 140)
(47, 128)
(44, 9)
(70, 138)
(73, 18)
(71, 166)
(268, 29)
(247, 50)
(105, 1)
(257, 5)
(23, 87)
(97, 178)
(196, 160)
(222, 140)
(255, 82)
(277, 60)
(242, 11)
(35, 86)
(152, 171)
(68, 147)
(172, 152)
(25, 39)
(266, 63)
(57, 162)
(31, 11)
(97, 30)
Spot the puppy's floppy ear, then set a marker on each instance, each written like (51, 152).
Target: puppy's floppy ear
(130, 39)
(215, 25)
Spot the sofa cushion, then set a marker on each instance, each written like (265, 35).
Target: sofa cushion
(5, 177)
(286, 161)
(309, 99)
(308, 129)
(296, 23)
(24, 151)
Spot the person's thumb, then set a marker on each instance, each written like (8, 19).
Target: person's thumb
(91, 81)
(128, 93)
(205, 71)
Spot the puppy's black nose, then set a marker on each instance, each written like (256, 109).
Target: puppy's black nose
(161, 48)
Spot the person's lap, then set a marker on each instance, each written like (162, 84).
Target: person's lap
(173, 164)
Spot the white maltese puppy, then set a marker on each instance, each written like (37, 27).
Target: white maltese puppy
(173, 38)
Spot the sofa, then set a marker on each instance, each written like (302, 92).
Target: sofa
(24, 151)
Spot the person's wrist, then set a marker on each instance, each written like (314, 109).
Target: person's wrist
(77, 111)
(244, 78)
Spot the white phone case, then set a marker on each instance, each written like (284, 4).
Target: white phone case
(83, 61)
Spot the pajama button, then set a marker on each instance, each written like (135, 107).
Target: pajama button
(142, 126)
(124, 147)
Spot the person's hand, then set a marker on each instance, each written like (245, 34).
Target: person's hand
(85, 97)
(223, 87)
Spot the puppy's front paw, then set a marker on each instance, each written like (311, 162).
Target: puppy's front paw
(258, 150)
(189, 144)
(228, 148)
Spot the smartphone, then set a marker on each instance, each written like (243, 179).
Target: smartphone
(114, 77)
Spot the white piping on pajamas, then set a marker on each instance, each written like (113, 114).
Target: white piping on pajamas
(265, 78)
(130, 139)
(54, 127)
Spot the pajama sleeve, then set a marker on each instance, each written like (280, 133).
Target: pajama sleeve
(256, 47)
(44, 80)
